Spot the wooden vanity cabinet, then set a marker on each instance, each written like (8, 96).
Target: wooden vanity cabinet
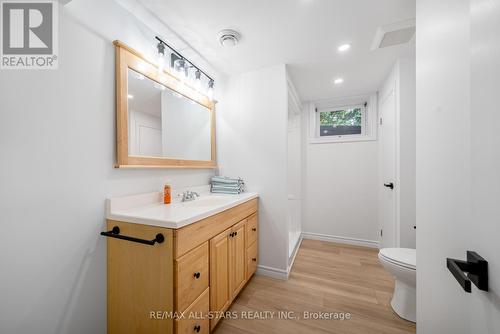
(198, 270)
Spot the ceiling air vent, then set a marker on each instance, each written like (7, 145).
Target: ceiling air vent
(394, 34)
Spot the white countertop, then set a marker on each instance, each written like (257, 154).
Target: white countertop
(148, 209)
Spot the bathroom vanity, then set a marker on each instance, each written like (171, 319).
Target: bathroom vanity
(176, 268)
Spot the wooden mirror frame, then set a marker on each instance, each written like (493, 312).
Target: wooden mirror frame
(126, 58)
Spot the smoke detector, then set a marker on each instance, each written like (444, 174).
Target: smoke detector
(394, 34)
(229, 37)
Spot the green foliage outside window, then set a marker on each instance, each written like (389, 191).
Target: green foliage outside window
(348, 117)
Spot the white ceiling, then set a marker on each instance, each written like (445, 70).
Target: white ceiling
(304, 34)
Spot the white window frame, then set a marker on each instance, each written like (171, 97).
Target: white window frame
(368, 119)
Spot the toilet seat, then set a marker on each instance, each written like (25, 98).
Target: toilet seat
(401, 257)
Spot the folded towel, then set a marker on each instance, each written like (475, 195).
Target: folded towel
(232, 192)
(214, 187)
(227, 185)
(226, 180)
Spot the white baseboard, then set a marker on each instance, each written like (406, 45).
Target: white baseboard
(280, 273)
(272, 272)
(292, 257)
(341, 240)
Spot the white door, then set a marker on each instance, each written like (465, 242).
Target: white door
(458, 162)
(388, 189)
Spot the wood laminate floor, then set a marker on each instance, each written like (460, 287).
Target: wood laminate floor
(326, 277)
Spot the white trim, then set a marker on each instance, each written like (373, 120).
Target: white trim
(291, 258)
(341, 240)
(272, 272)
(294, 99)
(280, 273)
(369, 128)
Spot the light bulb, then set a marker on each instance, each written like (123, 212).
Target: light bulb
(197, 81)
(210, 92)
(161, 56)
(181, 69)
(161, 63)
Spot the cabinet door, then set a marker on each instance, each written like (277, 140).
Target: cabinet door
(220, 293)
(252, 231)
(237, 272)
(251, 260)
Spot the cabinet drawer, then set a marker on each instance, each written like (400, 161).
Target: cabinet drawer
(195, 319)
(252, 229)
(191, 272)
(252, 259)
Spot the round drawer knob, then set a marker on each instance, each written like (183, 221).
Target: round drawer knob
(196, 275)
(197, 328)
(254, 229)
(254, 259)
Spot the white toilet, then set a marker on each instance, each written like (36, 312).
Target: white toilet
(401, 263)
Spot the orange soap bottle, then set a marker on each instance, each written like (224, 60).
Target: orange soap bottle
(167, 194)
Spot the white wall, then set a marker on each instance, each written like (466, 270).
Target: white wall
(340, 189)
(402, 79)
(252, 144)
(57, 134)
(443, 162)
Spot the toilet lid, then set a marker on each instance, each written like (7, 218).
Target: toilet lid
(405, 257)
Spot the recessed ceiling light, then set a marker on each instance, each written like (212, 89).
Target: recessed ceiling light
(338, 81)
(130, 96)
(229, 37)
(344, 47)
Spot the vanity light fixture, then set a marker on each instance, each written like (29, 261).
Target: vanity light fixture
(338, 81)
(344, 47)
(182, 66)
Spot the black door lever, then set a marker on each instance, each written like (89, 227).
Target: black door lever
(389, 185)
(476, 268)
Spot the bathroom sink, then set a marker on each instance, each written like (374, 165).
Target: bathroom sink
(148, 208)
(205, 201)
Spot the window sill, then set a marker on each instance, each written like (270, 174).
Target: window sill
(343, 139)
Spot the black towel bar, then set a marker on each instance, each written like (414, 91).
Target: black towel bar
(115, 233)
(476, 268)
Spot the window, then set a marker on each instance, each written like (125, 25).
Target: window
(343, 120)
(347, 121)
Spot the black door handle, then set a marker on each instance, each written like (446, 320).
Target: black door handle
(476, 268)
(389, 185)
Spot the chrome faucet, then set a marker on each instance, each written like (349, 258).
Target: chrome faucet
(189, 196)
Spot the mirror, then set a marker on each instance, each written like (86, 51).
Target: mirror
(164, 123)
(161, 122)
